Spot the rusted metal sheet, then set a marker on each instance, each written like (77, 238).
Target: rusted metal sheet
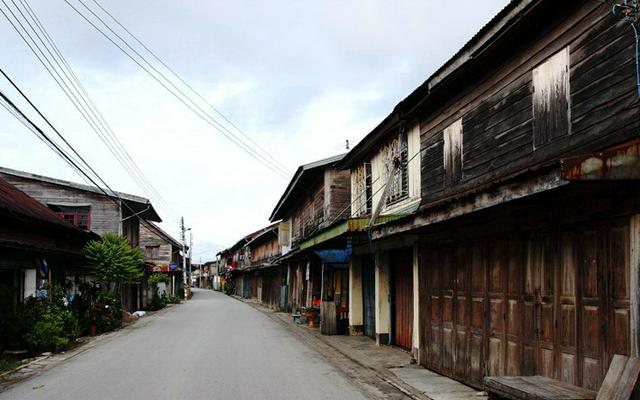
(620, 162)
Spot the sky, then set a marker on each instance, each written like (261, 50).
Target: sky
(298, 77)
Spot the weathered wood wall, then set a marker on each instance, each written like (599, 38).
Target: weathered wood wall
(531, 288)
(265, 250)
(105, 214)
(496, 103)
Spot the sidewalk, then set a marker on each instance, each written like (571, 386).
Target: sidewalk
(389, 364)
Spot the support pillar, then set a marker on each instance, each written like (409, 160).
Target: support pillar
(356, 314)
(383, 307)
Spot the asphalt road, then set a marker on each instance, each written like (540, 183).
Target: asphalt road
(212, 347)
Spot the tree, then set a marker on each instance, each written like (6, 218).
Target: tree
(113, 261)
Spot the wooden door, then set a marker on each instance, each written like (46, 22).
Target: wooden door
(496, 291)
(461, 308)
(402, 270)
(514, 302)
(538, 325)
(478, 310)
(369, 296)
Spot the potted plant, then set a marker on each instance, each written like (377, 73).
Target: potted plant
(312, 313)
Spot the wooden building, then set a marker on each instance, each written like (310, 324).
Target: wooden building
(162, 253)
(525, 243)
(317, 197)
(36, 246)
(90, 209)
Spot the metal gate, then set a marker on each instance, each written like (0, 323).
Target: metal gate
(368, 296)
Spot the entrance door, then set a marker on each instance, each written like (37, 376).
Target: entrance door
(402, 270)
(369, 296)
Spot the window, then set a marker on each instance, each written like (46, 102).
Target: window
(551, 102)
(361, 190)
(151, 252)
(79, 216)
(453, 152)
(396, 159)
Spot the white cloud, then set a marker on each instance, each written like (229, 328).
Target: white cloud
(300, 78)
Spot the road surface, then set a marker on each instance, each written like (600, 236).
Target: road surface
(212, 347)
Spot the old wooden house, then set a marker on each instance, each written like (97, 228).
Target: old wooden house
(522, 257)
(238, 265)
(317, 196)
(90, 209)
(162, 253)
(36, 246)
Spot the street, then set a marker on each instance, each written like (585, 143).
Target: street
(212, 347)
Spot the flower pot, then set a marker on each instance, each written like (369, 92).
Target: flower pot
(93, 330)
(311, 317)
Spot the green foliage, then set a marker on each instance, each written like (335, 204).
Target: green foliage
(312, 310)
(53, 331)
(43, 324)
(100, 308)
(113, 261)
(173, 299)
(158, 277)
(157, 303)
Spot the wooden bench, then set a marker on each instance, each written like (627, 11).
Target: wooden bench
(618, 384)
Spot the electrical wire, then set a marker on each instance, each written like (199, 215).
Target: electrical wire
(55, 74)
(100, 116)
(190, 87)
(174, 90)
(33, 127)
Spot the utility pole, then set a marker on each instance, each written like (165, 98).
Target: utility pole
(183, 239)
(190, 253)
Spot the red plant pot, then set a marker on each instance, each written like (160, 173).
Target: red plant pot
(93, 330)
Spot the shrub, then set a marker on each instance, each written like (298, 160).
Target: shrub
(158, 277)
(113, 261)
(157, 303)
(54, 330)
(173, 299)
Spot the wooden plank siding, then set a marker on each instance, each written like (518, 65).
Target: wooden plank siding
(105, 213)
(496, 104)
(553, 303)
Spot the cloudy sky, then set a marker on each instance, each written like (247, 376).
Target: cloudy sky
(299, 77)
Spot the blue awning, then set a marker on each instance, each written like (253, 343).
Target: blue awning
(337, 258)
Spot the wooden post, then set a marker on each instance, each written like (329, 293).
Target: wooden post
(634, 286)
(50, 294)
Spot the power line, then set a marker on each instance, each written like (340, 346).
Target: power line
(100, 116)
(77, 94)
(180, 95)
(25, 120)
(190, 87)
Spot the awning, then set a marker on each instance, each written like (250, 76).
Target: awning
(337, 258)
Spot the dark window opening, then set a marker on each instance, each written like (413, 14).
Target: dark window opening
(79, 216)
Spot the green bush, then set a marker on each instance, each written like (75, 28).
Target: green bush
(173, 299)
(157, 303)
(53, 331)
(158, 277)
